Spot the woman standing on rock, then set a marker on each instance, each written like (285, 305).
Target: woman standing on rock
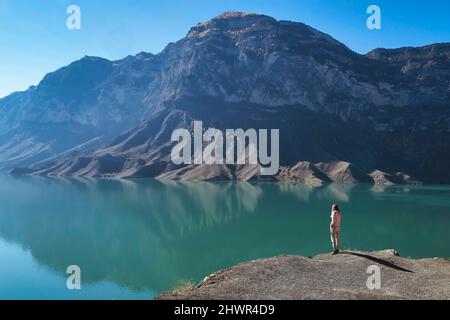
(335, 228)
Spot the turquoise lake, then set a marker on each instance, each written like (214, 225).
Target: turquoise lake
(135, 239)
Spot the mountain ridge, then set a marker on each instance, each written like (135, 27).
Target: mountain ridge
(239, 70)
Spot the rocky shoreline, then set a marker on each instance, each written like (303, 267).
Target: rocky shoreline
(324, 277)
(305, 172)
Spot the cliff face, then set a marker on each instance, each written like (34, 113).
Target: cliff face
(324, 277)
(427, 66)
(81, 106)
(386, 112)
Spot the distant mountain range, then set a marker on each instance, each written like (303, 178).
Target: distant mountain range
(383, 117)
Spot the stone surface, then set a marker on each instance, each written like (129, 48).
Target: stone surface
(342, 276)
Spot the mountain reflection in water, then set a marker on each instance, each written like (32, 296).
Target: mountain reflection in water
(149, 234)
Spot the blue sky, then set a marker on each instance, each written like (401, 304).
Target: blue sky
(34, 39)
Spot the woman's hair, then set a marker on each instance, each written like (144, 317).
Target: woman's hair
(335, 207)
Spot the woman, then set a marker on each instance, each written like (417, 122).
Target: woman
(335, 228)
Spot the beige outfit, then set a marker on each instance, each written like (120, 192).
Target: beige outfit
(335, 229)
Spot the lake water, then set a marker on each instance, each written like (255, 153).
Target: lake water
(135, 239)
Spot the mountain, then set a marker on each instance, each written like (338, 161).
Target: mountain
(82, 105)
(383, 117)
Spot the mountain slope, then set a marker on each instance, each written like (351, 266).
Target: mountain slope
(92, 99)
(383, 113)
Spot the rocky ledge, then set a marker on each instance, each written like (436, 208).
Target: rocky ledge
(342, 276)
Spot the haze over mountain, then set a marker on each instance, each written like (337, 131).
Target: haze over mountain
(383, 117)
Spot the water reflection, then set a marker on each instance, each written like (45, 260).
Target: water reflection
(148, 234)
(139, 234)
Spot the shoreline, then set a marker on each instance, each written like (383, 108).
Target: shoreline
(252, 181)
(315, 174)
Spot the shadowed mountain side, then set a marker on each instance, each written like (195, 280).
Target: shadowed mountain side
(145, 152)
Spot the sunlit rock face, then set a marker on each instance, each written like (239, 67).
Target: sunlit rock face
(385, 112)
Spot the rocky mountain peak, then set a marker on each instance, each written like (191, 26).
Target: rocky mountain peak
(232, 25)
(237, 14)
(238, 25)
(222, 58)
(232, 21)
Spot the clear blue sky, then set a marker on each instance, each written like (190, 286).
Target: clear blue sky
(34, 39)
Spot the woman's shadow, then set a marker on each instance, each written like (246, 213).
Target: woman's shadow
(377, 260)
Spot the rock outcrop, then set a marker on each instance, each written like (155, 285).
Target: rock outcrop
(325, 277)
